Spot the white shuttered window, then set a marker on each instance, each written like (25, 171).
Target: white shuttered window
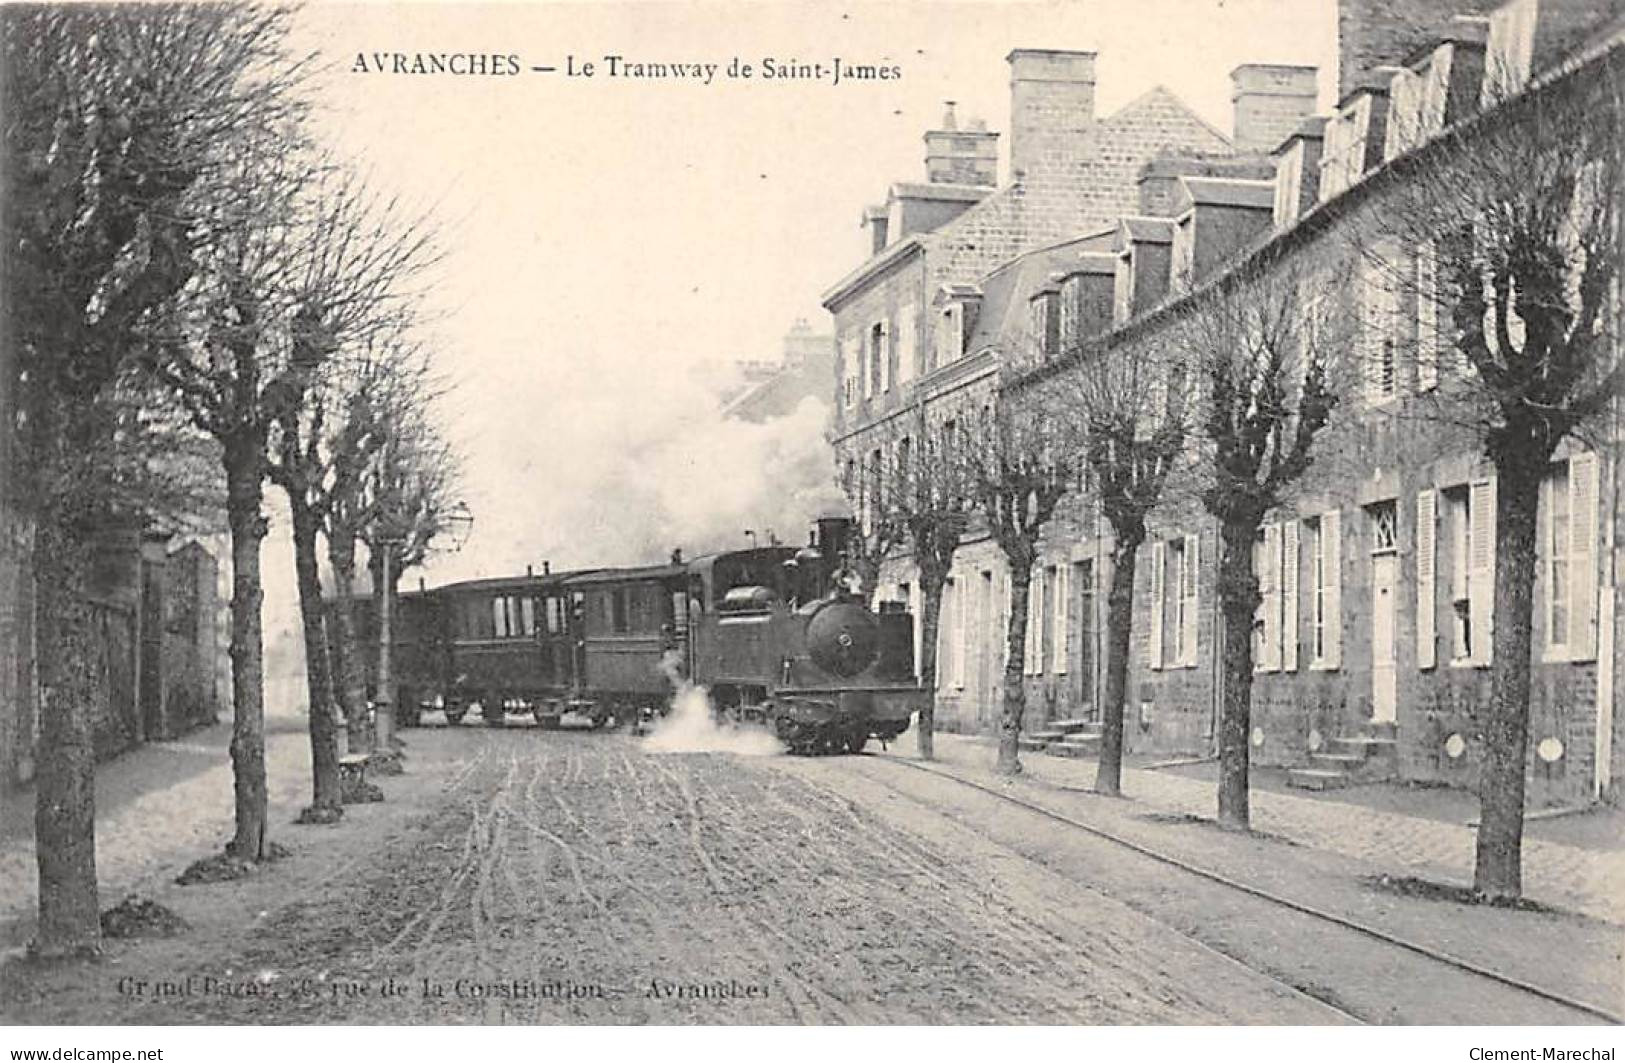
(1154, 626)
(1427, 504)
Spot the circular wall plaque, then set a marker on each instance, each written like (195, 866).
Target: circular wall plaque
(1549, 750)
(1455, 746)
(1258, 736)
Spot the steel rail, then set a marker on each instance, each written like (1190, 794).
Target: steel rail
(1594, 1010)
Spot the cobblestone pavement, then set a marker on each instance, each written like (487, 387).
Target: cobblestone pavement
(1563, 876)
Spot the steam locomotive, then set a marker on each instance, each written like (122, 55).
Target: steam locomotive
(771, 631)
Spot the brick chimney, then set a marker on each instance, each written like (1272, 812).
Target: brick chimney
(968, 156)
(875, 220)
(1052, 107)
(1269, 100)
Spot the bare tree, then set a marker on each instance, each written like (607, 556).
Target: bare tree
(113, 116)
(1019, 469)
(414, 506)
(929, 504)
(1127, 436)
(351, 274)
(1506, 234)
(867, 481)
(237, 360)
(1260, 350)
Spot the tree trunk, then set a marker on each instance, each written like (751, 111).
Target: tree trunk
(324, 750)
(347, 663)
(930, 621)
(382, 682)
(65, 796)
(244, 493)
(1498, 864)
(1238, 601)
(386, 738)
(1119, 631)
(1015, 689)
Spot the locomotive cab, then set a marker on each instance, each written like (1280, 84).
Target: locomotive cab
(785, 644)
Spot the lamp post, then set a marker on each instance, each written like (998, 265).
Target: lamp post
(457, 522)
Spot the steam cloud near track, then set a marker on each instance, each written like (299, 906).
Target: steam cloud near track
(691, 726)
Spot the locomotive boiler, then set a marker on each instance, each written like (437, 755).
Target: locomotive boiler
(778, 639)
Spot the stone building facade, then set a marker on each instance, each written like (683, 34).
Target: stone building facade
(1371, 639)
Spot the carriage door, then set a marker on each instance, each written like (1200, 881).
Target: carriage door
(1384, 570)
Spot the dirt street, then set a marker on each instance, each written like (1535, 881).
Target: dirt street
(564, 877)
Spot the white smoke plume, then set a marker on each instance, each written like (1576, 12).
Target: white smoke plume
(692, 727)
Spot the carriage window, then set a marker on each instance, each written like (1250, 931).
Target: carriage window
(527, 615)
(499, 616)
(620, 622)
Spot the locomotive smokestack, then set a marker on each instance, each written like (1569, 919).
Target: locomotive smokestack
(420, 584)
(528, 572)
(547, 567)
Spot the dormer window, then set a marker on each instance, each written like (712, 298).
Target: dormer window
(1123, 287)
(1405, 95)
(1288, 185)
(1045, 323)
(1510, 52)
(1184, 264)
(1071, 327)
(950, 333)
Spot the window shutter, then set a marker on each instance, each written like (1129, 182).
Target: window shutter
(1289, 596)
(1427, 505)
(1583, 556)
(1427, 317)
(1035, 622)
(1270, 585)
(908, 327)
(1063, 594)
(1331, 534)
(1154, 627)
(1481, 569)
(1005, 605)
(961, 611)
(883, 352)
(914, 601)
(944, 639)
(1191, 592)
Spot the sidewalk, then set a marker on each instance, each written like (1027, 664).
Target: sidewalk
(1568, 877)
(158, 807)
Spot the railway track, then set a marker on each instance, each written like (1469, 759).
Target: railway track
(1424, 954)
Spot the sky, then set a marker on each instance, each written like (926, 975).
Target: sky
(613, 245)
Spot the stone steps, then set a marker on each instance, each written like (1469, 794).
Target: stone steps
(1064, 738)
(1317, 778)
(1077, 744)
(1371, 756)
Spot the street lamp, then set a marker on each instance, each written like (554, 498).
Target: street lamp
(752, 533)
(457, 522)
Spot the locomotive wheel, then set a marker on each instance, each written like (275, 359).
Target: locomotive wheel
(855, 741)
(493, 710)
(454, 716)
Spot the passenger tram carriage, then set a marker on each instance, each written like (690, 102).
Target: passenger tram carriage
(771, 632)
